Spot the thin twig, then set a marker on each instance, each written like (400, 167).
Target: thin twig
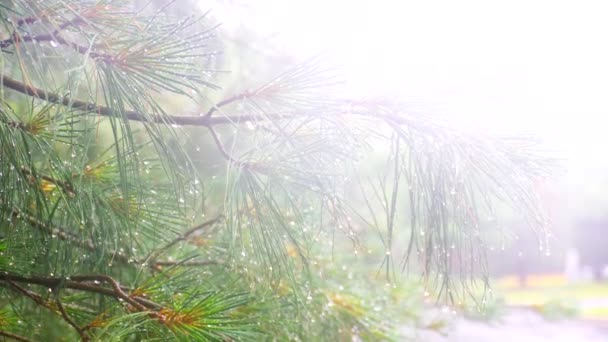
(33, 296)
(221, 148)
(115, 285)
(83, 336)
(14, 336)
(187, 263)
(65, 186)
(40, 301)
(227, 101)
(158, 265)
(48, 37)
(152, 257)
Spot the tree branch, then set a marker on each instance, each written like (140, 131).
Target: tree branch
(182, 120)
(227, 101)
(82, 283)
(52, 37)
(65, 186)
(115, 285)
(152, 257)
(83, 335)
(14, 336)
(101, 110)
(40, 301)
(48, 37)
(158, 265)
(221, 148)
(33, 296)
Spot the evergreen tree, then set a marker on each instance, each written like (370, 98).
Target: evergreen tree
(133, 206)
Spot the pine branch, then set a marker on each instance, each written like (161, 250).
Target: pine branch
(206, 120)
(83, 283)
(102, 110)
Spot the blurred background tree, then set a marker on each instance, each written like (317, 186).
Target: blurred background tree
(146, 193)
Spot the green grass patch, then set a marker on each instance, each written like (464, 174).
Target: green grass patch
(590, 299)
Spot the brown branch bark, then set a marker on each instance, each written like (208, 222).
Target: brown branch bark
(183, 120)
(115, 285)
(101, 110)
(83, 283)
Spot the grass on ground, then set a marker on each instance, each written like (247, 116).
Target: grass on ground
(552, 293)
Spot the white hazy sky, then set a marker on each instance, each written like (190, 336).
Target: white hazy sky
(519, 65)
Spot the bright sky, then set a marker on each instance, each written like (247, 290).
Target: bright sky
(518, 65)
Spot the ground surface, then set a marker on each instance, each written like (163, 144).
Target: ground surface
(519, 325)
(548, 308)
(543, 291)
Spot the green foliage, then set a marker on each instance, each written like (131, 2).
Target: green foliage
(116, 225)
(558, 309)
